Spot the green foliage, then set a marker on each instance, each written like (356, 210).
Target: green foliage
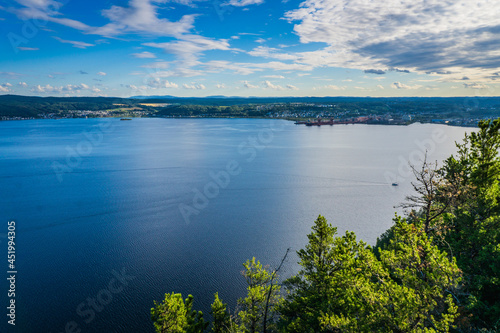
(343, 287)
(262, 296)
(221, 318)
(470, 229)
(174, 315)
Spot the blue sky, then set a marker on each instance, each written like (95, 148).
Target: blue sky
(250, 47)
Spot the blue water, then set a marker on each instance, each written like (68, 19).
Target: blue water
(94, 197)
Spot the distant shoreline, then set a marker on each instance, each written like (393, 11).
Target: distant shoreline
(270, 118)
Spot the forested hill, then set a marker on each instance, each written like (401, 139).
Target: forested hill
(29, 106)
(423, 109)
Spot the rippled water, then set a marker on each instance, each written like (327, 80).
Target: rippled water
(95, 198)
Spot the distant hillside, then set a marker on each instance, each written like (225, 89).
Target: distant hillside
(28, 106)
(423, 109)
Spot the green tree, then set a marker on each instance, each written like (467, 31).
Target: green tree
(424, 281)
(262, 295)
(174, 315)
(222, 321)
(470, 228)
(343, 287)
(308, 290)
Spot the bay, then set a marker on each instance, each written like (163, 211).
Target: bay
(179, 205)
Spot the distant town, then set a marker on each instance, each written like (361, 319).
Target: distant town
(309, 111)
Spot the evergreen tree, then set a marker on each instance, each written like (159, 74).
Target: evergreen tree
(343, 287)
(262, 296)
(470, 230)
(174, 315)
(222, 322)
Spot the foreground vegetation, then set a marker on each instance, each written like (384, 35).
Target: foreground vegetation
(436, 270)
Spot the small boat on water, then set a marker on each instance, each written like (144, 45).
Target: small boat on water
(126, 119)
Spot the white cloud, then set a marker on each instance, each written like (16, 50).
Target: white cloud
(157, 83)
(187, 51)
(23, 84)
(60, 89)
(475, 86)
(451, 37)
(269, 85)
(194, 86)
(141, 17)
(216, 66)
(5, 87)
(168, 84)
(269, 52)
(380, 86)
(45, 10)
(333, 87)
(242, 3)
(80, 45)
(131, 86)
(144, 55)
(399, 85)
(190, 45)
(291, 87)
(274, 76)
(101, 74)
(21, 48)
(220, 86)
(248, 85)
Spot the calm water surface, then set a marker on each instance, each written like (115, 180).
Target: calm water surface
(94, 197)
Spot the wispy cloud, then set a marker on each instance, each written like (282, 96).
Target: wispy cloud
(399, 85)
(194, 86)
(11, 74)
(475, 86)
(22, 48)
(248, 85)
(243, 3)
(5, 87)
(190, 46)
(330, 87)
(141, 16)
(269, 85)
(158, 83)
(269, 52)
(77, 44)
(144, 55)
(64, 89)
(274, 76)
